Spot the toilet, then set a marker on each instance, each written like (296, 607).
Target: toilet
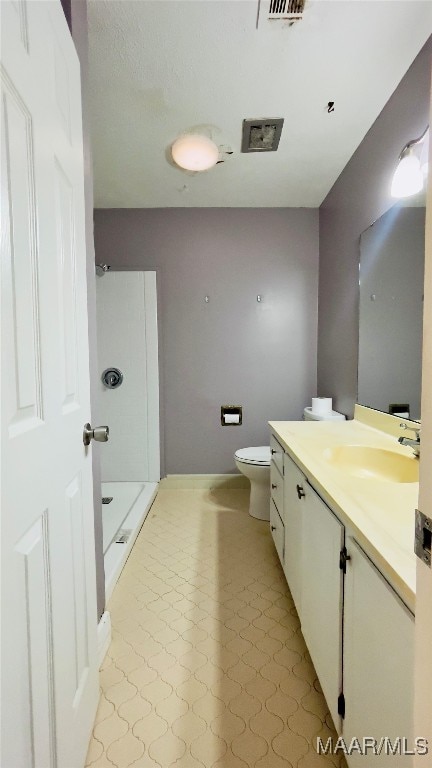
(254, 463)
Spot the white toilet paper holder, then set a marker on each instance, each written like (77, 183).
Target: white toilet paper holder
(233, 411)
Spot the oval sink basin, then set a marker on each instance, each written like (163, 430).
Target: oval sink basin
(373, 463)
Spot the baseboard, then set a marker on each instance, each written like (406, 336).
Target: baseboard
(104, 636)
(214, 482)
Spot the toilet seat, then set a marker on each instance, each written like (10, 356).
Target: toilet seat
(258, 455)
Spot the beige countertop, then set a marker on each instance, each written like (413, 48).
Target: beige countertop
(380, 514)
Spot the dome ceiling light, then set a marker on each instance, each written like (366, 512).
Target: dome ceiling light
(195, 152)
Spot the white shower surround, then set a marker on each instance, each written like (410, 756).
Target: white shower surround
(130, 465)
(128, 339)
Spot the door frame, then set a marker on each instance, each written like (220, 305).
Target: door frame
(423, 619)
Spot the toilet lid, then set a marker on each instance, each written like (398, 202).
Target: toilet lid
(256, 455)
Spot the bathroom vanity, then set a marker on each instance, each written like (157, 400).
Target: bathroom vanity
(343, 499)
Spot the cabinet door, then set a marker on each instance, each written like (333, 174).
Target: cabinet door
(277, 531)
(294, 485)
(378, 661)
(321, 601)
(277, 453)
(276, 488)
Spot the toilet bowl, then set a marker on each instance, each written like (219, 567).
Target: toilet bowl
(254, 463)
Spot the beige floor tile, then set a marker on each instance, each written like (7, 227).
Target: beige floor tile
(129, 663)
(105, 709)
(134, 709)
(156, 691)
(167, 749)
(172, 708)
(290, 745)
(208, 667)
(189, 727)
(245, 706)
(261, 689)
(110, 676)
(125, 751)
(267, 725)
(249, 747)
(111, 729)
(120, 692)
(175, 675)
(208, 748)
(150, 728)
(142, 676)
(96, 750)
(192, 690)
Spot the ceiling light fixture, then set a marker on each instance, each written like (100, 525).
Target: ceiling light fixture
(411, 170)
(195, 152)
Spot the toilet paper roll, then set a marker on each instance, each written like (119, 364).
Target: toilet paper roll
(232, 418)
(322, 406)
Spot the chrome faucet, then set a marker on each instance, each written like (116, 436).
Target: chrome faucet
(414, 444)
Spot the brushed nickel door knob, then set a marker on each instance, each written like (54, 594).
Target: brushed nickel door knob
(100, 434)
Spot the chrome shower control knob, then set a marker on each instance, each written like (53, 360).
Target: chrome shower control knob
(112, 378)
(100, 434)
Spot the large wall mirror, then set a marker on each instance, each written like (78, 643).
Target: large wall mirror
(391, 309)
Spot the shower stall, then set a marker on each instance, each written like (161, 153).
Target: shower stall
(128, 401)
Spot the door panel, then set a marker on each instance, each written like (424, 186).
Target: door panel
(49, 619)
(321, 604)
(293, 515)
(23, 310)
(34, 593)
(67, 287)
(378, 661)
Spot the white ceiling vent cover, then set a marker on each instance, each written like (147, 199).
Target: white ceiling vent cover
(287, 10)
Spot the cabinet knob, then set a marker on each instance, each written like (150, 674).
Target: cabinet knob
(343, 559)
(273, 527)
(273, 451)
(274, 485)
(300, 491)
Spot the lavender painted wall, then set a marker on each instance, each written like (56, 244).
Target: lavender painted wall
(360, 195)
(231, 350)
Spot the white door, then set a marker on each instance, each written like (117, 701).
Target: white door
(128, 340)
(48, 609)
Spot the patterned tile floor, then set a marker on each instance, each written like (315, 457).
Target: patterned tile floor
(207, 667)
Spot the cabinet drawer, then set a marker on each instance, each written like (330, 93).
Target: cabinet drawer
(277, 453)
(277, 531)
(276, 488)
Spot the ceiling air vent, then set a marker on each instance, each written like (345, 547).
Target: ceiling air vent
(288, 10)
(261, 135)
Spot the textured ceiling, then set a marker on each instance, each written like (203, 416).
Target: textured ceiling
(160, 68)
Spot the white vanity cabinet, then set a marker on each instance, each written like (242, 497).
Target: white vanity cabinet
(359, 633)
(378, 661)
